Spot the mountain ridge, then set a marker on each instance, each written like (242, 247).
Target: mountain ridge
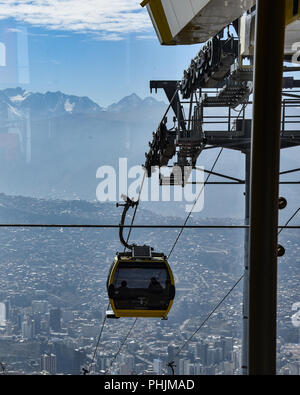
(18, 101)
(56, 151)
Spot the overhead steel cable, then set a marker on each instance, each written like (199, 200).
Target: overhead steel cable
(109, 226)
(121, 226)
(170, 105)
(97, 345)
(209, 315)
(121, 346)
(129, 233)
(135, 210)
(127, 240)
(131, 226)
(171, 363)
(195, 202)
(87, 371)
(104, 320)
(182, 228)
(201, 191)
(290, 219)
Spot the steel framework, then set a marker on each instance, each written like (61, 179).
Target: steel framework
(216, 80)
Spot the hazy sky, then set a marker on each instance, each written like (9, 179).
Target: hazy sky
(101, 49)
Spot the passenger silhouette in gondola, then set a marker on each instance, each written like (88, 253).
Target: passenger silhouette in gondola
(155, 285)
(123, 284)
(168, 286)
(123, 289)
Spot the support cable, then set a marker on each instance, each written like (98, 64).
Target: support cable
(87, 371)
(121, 346)
(125, 247)
(190, 213)
(200, 193)
(135, 210)
(221, 301)
(170, 104)
(181, 231)
(129, 233)
(286, 224)
(209, 315)
(76, 226)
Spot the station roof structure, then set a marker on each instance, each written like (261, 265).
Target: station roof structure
(184, 22)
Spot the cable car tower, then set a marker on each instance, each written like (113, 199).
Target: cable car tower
(245, 44)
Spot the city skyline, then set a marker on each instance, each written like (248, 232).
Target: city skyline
(53, 285)
(80, 131)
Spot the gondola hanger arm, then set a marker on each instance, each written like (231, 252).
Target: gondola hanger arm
(129, 203)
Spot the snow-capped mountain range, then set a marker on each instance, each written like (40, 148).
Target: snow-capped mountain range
(51, 145)
(134, 102)
(55, 141)
(17, 101)
(44, 105)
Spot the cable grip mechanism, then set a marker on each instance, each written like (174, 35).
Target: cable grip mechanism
(129, 203)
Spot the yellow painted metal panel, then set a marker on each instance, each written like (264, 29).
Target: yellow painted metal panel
(160, 20)
(292, 11)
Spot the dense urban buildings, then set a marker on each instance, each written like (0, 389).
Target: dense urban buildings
(53, 298)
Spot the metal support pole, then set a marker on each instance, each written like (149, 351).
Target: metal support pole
(245, 342)
(265, 157)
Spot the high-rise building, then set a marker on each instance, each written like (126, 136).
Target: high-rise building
(28, 328)
(211, 356)
(125, 369)
(69, 360)
(172, 357)
(9, 328)
(198, 369)
(228, 347)
(130, 362)
(210, 371)
(184, 367)
(157, 366)
(48, 363)
(218, 355)
(37, 323)
(236, 358)
(8, 308)
(201, 352)
(55, 318)
(2, 314)
(228, 368)
(226, 343)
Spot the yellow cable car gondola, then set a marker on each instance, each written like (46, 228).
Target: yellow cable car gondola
(140, 282)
